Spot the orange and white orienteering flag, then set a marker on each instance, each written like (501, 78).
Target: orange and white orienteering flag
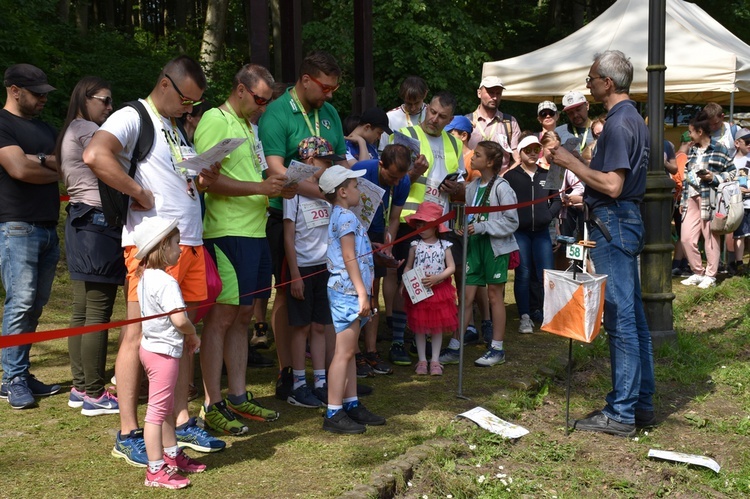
(573, 308)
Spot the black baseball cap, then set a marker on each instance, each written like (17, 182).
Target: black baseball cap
(29, 77)
(377, 118)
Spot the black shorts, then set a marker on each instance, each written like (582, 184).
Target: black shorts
(314, 308)
(275, 236)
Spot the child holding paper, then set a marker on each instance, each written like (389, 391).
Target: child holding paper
(437, 313)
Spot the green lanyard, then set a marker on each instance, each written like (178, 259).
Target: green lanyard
(316, 131)
(174, 148)
(248, 130)
(582, 145)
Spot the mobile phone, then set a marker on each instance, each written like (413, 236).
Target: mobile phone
(451, 177)
(702, 171)
(566, 239)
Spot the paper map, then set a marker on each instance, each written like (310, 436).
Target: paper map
(297, 172)
(213, 155)
(371, 197)
(490, 422)
(685, 458)
(410, 143)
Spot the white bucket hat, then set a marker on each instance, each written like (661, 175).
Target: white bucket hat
(150, 232)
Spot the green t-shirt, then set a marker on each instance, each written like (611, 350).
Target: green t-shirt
(282, 128)
(243, 216)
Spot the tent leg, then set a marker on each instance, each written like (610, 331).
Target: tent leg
(567, 388)
(731, 108)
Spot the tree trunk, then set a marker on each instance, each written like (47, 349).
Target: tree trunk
(214, 32)
(107, 13)
(82, 16)
(276, 32)
(63, 10)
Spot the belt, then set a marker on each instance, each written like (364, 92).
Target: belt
(46, 225)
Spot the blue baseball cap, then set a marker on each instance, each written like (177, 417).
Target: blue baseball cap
(460, 123)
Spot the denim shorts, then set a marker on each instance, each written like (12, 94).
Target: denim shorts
(344, 310)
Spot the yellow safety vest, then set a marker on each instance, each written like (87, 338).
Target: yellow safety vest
(417, 191)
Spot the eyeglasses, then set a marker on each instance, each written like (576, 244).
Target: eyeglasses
(532, 150)
(323, 87)
(261, 101)
(107, 100)
(547, 113)
(185, 101)
(589, 78)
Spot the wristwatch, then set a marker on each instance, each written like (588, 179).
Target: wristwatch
(42, 158)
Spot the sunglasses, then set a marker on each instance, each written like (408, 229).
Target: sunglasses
(261, 101)
(547, 113)
(36, 94)
(185, 101)
(107, 100)
(532, 150)
(323, 87)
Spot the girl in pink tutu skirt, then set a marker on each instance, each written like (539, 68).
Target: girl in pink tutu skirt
(437, 314)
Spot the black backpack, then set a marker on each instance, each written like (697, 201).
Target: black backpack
(115, 203)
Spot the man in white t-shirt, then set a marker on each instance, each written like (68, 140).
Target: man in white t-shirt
(160, 187)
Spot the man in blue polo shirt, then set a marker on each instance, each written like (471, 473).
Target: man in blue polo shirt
(390, 173)
(615, 185)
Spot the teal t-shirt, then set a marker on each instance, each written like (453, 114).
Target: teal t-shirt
(282, 127)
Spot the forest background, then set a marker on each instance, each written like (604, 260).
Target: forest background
(444, 41)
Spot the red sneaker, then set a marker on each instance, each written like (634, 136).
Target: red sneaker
(184, 463)
(166, 477)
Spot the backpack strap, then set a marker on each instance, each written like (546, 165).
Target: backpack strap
(145, 136)
(508, 126)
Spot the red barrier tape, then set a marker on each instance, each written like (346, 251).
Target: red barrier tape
(27, 338)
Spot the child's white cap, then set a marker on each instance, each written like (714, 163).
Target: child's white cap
(527, 141)
(335, 176)
(150, 232)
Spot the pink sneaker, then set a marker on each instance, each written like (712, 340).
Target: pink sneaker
(166, 477)
(421, 367)
(436, 369)
(184, 463)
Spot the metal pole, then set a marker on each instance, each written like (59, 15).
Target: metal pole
(731, 108)
(461, 215)
(656, 276)
(567, 388)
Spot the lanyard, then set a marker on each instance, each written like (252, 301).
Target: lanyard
(582, 146)
(316, 131)
(482, 132)
(248, 131)
(408, 116)
(169, 135)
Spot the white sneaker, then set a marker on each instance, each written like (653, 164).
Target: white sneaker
(707, 282)
(693, 280)
(526, 325)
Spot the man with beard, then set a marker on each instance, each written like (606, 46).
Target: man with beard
(576, 107)
(302, 111)
(28, 220)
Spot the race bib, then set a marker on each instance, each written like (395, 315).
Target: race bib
(187, 152)
(432, 192)
(316, 213)
(261, 156)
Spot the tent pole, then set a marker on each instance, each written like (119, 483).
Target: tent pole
(731, 108)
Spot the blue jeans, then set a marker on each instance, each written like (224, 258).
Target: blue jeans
(630, 350)
(535, 249)
(28, 258)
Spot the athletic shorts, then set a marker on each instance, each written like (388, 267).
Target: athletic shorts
(314, 307)
(482, 267)
(244, 265)
(275, 237)
(189, 272)
(344, 310)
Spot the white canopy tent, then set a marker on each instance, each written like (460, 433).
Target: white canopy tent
(705, 61)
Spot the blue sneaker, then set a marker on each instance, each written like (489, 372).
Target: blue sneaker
(194, 437)
(38, 389)
(303, 397)
(132, 448)
(19, 394)
(76, 398)
(490, 358)
(471, 336)
(449, 356)
(105, 404)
